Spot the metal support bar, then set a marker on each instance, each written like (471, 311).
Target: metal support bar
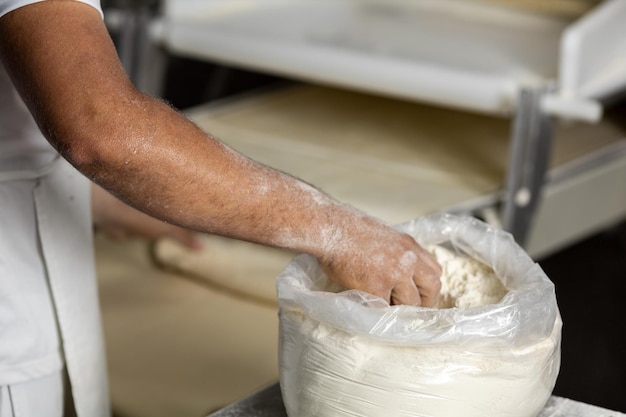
(529, 156)
(140, 52)
(150, 62)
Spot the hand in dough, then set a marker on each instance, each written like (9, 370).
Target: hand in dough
(387, 263)
(120, 221)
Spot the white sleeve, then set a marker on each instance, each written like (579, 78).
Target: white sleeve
(9, 5)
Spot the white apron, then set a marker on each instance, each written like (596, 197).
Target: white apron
(62, 206)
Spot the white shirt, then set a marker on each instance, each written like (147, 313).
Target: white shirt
(29, 339)
(9, 5)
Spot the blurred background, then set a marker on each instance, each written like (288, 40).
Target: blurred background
(402, 109)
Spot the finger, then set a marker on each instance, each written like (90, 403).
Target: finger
(429, 287)
(406, 292)
(189, 239)
(115, 233)
(186, 237)
(430, 262)
(427, 279)
(430, 296)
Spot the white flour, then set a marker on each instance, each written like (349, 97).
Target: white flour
(326, 372)
(466, 282)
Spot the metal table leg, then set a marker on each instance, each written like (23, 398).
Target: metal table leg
(529, 156)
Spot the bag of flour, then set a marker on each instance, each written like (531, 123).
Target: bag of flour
(348, 353)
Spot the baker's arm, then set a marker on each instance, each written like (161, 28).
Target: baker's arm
(63, 62)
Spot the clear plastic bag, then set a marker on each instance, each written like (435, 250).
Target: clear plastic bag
(349, 353)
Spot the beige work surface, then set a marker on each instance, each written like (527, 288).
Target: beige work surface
(242, 269)
(176, 348)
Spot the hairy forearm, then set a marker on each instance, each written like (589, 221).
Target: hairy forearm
(167, 167)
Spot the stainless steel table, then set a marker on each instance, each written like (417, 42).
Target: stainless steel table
(268, 403)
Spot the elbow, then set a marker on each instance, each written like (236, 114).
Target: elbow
(81, 144)
(86, 156)
(97, 141)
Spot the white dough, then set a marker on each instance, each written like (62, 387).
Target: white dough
(346, 375)
(466, 282)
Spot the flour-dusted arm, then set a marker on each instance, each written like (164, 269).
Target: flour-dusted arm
(62, 60)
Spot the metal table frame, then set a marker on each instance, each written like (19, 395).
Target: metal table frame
(268, 402)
